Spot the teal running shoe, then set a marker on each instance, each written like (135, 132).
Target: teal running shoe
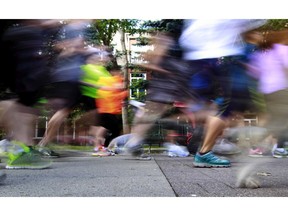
(210, 160)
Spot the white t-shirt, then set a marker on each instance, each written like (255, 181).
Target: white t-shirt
(204, 38)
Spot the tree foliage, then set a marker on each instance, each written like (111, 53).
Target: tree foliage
(275, 25)
(102, 31)
(163, 25)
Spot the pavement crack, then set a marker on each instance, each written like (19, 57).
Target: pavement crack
(176, 194)
(203, 188)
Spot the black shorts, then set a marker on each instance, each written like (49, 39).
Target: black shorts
(111, 122)
(30, 98)
(69, 91)
(87, 103)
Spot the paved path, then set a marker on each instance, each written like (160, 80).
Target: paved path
(80, 175)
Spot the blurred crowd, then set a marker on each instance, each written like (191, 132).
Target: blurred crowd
(212, 71)
(61, 76)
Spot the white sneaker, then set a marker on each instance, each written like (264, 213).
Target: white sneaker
(225, 147)
(280, 153)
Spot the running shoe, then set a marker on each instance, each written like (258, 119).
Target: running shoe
(134, 147)
(103, 152)
(225, 147)
(256, 152)
(280, 153)
(144, 156)
(30, 159)
(210, 160)
(46, 152)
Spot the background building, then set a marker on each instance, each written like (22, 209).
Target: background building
(135, 54)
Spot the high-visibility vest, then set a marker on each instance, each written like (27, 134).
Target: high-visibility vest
(91, 75)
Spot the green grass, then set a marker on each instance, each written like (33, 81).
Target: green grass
(70, 147)
(61, 147)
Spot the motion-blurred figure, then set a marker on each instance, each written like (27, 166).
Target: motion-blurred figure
(109, 107)
(64, 91)
(23, 47)
(169, 84)
(270, 67)
(214, 48)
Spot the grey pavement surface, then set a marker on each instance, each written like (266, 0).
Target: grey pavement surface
(77, 174)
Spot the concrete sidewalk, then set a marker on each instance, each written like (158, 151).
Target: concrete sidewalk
(78, 174)
(188, 181)
(82, 175)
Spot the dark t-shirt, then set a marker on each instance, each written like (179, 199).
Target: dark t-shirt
(25, 57)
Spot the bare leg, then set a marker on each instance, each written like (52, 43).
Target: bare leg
(19, 121)
(24, 128)
(54, 125)
(143, 122)
(214, 128)
(7, 111)
(100, 137)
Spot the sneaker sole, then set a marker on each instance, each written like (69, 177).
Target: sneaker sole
(205, 165)
(101, 155)
(144, 159)
(256, 156)
(139, 158)
(280, 156)
(259, 156)
(49, 156)
(27, 167)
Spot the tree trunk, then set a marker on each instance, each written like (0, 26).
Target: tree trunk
(126, 128)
